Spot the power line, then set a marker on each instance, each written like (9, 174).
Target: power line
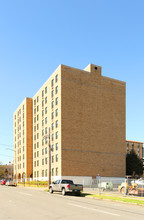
(6, 145)
(6, 155)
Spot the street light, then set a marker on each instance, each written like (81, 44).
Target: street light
(49, 147)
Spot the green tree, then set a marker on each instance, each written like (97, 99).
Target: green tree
(134, 165)
(2, 172)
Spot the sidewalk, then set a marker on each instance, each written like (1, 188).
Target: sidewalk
(33, 188)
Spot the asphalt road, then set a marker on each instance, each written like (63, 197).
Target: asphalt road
(22, 203)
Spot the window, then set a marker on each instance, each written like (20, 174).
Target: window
(46, 172)
(37, 126)
(37, 117)
(52, 93)
(42, 173)
(52, 148)
(138, 148)
(52, 82)
(46, 150)
(34, 146)
(42, 161)
(56, 123)
(52, 104)
(45, 160)
(35, 111)
(56, 146)
(56, 171)
(23, 156)
(43, 103)
(43, 93)
(37, 135)
(42, 122)
(37, 144)
(34, 119)
(57, 135)
(56, 89)
(52, 126)
(52, 137)
(37, 108)
(37, 173)
(37, 153)
(56, 157)
(37, 98)
(52, 115)
(42, 112)
(45, 110)
(56, 78)
(46, 130)
(37, 163)
(56, 101)
(52, 159)
(46, 120)
(46, 140)
(56, 112)
(42, 142)
(34, 102)
(34, 128)
(45, 100)
(42, 132)
(45, 90)
(43, 151)
(52, 171)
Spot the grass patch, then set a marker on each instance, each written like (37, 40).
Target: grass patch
(120, 199)
(46, 190)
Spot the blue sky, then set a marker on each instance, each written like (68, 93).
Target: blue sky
(37, 36)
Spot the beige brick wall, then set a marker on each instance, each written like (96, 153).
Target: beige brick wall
(22, 120)
(93, 123)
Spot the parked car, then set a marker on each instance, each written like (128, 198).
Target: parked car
(11, 183)
(65, 186)
(3, 182)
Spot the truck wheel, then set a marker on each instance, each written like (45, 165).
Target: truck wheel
(123, 190)
(63, 191)
(78, 193)
(50, 190)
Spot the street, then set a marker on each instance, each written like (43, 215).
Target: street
(22, 203)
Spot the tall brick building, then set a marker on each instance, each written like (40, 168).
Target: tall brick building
(86, 115)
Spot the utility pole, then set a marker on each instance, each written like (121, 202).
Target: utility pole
(49, 148)
(49, 158)
(15, 164)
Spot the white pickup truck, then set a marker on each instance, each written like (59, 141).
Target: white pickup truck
(65, 186)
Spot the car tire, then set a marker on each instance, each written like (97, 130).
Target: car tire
(63, 191)
(50, 190)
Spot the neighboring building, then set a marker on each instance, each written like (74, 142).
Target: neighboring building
(7, 170)
(23, 137)
(86, 115)
(135, 145)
